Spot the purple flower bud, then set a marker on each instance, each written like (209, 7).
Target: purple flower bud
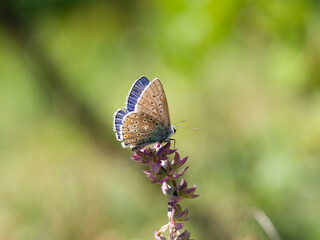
(184, 236)
(165, 150)
(160, 178)
(177, 162)
(149, 175)
(180, 215)
(171, 194)
(185, 192)
(179, 226)
(155, 166)
(144, 155)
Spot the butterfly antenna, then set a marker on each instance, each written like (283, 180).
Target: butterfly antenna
(180, 122)
(194, 129)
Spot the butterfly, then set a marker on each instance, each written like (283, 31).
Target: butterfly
(145, 119)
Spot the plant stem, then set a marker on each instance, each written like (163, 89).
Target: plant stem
(171, 225)
(171, 210)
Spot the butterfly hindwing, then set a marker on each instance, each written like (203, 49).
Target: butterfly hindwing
(140, 129)
(118, 117)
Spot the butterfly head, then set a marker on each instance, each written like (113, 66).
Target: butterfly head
(173, 129)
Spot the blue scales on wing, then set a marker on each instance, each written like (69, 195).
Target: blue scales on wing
(118, 117)
(135, 92)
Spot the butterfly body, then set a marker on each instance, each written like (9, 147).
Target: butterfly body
(145, 120)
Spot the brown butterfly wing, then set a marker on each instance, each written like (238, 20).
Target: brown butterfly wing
(154, 103)
(137, 127)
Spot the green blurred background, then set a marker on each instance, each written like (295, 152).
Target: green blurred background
(246, 73)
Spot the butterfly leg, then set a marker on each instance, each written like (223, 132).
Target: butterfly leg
(174, 142)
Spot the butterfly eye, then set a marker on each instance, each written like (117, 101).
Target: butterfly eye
(134, 126)
(139, 134)
(157, 94)
(150, 130)
(136, 122)
(145, 120)
(136, 140)
(156, 123)
(154, 96)
(150, 119)
(135, 130)
(152, 102)
(160, 103)
(160, 111)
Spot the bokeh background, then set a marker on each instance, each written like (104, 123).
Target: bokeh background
(246, 73)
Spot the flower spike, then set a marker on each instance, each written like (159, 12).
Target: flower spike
(164, 171)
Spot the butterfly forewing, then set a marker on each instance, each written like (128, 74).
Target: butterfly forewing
(153, 102)
(135, 92)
